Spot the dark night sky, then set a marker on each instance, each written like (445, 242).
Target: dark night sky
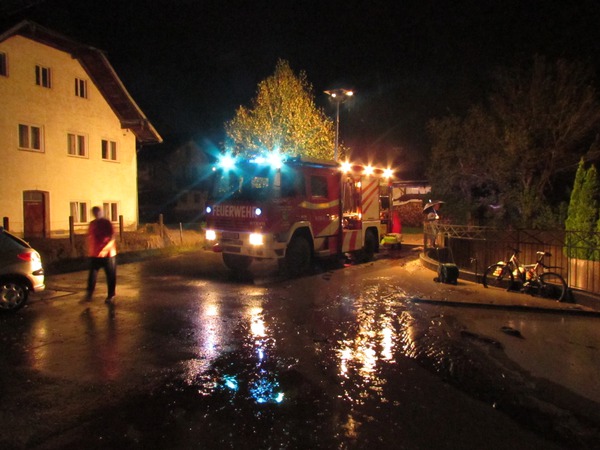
(190, 63)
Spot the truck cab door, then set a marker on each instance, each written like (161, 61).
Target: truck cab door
(323, 202)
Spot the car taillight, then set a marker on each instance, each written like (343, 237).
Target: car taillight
(29, 256)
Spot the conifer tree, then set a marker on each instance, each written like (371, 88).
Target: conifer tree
(582, 216)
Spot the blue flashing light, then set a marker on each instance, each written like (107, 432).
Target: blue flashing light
(208, 209)
(258, 212)
(227, 162)
(275, 160)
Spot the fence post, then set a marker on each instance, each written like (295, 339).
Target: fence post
(180, 233)
(121, 228)
(71, 229)
(5, 223)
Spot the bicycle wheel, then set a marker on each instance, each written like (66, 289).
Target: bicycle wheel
(498, 276)
(552, 286)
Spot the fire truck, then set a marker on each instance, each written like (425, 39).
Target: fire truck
(294, 209)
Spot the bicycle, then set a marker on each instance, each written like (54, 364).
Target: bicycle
(546, 284)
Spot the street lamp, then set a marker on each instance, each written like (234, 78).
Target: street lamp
(338, 96)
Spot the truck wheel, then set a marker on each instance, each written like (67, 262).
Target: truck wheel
(370, 247)
(236, 263)
(297, 256)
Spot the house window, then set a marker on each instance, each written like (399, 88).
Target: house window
(81, 88)
(30, 137)
(43, 76)
(3, 66)
(111, 211)
(79, 212)
(76, 145)
(109, 150)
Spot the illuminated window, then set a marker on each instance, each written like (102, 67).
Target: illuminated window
(109, 150)
(76, 145)
(3, 66)
(111, 211)
(81, 88)
(79, 212)
(43, 76)
(30, 137)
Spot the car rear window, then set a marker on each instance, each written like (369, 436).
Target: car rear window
(8, 241)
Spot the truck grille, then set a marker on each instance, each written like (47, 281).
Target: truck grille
(228, 223)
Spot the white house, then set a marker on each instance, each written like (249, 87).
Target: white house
(68, 135)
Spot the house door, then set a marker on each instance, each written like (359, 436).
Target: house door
(35, 214)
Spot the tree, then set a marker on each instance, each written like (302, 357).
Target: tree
(549, 115)
(463, 154)
(283, 117)
(583, 214)
(539, 121)
(573, 215)
(597, 243)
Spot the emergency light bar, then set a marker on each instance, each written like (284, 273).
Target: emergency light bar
(276, 160)
(368, 170)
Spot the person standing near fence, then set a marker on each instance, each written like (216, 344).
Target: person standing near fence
(102, 251)
(431, 222)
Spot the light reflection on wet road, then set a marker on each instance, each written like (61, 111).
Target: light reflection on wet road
(192, 357)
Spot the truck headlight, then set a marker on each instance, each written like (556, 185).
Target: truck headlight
(256, 239)
(211, 235)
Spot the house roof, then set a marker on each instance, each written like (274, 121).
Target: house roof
(100, 71)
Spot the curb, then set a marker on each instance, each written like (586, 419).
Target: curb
(574, 311)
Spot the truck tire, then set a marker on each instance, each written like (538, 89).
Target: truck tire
(297, 256)
(370, 247)
(236, 263)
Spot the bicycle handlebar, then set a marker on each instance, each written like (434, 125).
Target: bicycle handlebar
(516, 251)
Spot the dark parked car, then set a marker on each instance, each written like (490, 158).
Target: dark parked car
(21, 271)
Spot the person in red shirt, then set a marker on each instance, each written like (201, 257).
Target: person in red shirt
(102, 251)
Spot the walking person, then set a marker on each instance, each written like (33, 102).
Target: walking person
(102, 251)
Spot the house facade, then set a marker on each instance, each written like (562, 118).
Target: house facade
(69, 131)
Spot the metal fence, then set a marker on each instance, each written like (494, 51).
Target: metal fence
(574, 253)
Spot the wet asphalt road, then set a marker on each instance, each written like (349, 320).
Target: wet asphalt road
(193, 357)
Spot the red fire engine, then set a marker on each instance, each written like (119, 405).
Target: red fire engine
(295, 209)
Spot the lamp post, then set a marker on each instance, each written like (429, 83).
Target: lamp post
(338, 96)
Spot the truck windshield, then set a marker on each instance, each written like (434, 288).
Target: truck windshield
(256, 182)
(250, 182)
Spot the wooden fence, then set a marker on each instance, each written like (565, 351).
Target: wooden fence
(475, 248)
